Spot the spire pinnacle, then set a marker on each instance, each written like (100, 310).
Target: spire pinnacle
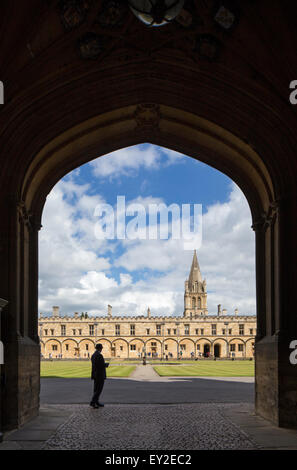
(195, 274)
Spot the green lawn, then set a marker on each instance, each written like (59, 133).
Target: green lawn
(79, 369)
(209, 369)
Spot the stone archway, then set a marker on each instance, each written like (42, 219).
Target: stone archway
(206, 349)
(52, 348)
(120, 348)
(187, 348)
(170, 348)
(219, 347)
(217, 350)
(70, 349)
(237, 348)
(136, 348)
(153, 348)
(230, 109)
(86, 348)
(193, 135)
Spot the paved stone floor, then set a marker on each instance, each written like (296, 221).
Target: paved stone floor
(191, 414)
(151, 427)
(196, 426)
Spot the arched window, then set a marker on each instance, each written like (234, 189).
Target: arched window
(193, 302)
(199, 302)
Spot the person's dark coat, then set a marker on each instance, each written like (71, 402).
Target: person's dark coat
(98, 366)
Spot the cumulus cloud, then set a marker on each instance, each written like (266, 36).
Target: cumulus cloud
(78, 272)
(128, 161)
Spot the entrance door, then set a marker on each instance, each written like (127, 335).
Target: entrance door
(206, 350)
(217, 350)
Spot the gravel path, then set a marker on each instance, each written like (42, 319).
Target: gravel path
(145, 373)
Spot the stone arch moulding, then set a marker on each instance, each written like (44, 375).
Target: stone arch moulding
(136, 339)
(70, 339)
(100, 339)
(53, 341)
(196, 137)
(171, 339)
(237, 339)
(187, 339)
(119, 339)
(202, 340)
(153, 339)
(219, 339)
(157, 124)
(154, 123)
(86, 339)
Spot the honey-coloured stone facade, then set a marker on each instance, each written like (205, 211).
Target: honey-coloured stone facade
(193, 335)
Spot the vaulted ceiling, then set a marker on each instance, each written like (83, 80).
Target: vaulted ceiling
(48, 41)
(65, 61)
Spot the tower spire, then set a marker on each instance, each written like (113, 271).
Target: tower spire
(195, 300)
(195, 274)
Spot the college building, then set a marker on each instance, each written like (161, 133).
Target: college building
(195, 334)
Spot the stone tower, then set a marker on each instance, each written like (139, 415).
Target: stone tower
(195, 301)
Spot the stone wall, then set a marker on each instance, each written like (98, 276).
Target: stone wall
(69, 337)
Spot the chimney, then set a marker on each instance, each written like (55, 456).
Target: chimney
(224, 311)
(236, 311)
(75, 315)
(109, 310)
(149, 312)
(40, 315)
(219, 309)
(56, 312)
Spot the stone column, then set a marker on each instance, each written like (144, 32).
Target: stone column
(19, 284)
(3, 304)
(211, 349)
(276, 254)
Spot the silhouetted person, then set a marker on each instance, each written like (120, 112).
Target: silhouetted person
(98, 375)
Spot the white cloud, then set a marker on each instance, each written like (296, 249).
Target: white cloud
(129, 160)
(77, 270)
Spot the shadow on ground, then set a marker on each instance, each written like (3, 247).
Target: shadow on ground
(175, 390)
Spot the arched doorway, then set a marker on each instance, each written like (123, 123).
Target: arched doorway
(206, 350)
(92, 130)
(217, 350)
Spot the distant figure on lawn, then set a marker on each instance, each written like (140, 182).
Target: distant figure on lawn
(98, 375)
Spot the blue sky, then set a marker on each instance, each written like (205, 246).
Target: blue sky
(132, 275)
(187, 180)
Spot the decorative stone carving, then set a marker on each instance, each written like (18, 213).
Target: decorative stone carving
(267, 218)
(112, 14)
(208, 47)
(91, 45)
(73, 12)
(147, 115)
(226, 18)
(27, 217)
(188, 17)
